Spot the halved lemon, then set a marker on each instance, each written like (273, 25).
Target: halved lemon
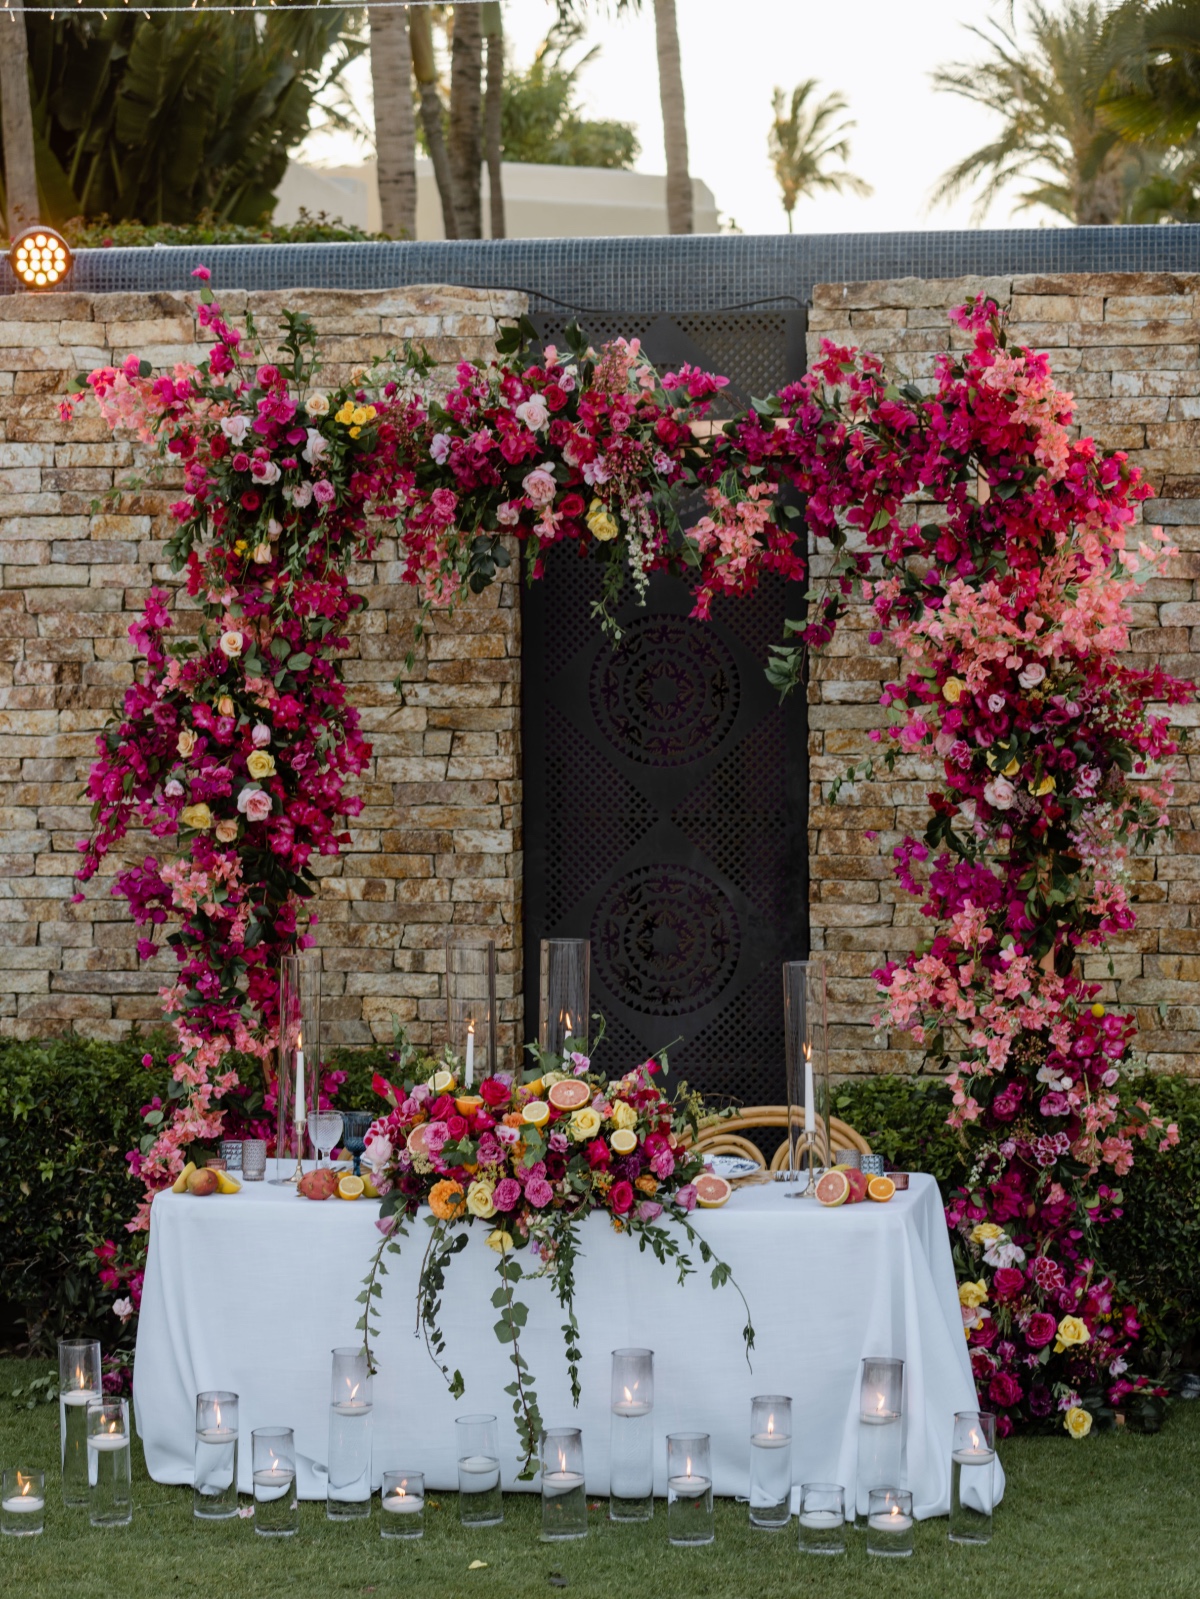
(350, 1187)
(624, 1141)
(537, 1112)
(226, 1184)
(369, 1189)
(881, 1188)
(570, 1094)
(442, 1082)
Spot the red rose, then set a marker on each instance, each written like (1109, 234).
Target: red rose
(1008, 1282)
(598, 1153)
(218, 446)
(457, 1127)
(493, 1092)
(442, 1108)
(571, 505)
(1004, 1389)
(251, 500)
(555, 396)
(620, 1198)
(1040, 1329)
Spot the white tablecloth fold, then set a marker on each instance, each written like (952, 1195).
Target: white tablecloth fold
(250, 1292)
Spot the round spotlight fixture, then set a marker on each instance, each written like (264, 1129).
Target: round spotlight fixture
(40, 258)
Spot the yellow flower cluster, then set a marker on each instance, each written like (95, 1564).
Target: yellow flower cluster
(355, 417)
(601, 523)
(1078, 1421)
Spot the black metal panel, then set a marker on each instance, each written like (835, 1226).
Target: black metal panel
(665, 785)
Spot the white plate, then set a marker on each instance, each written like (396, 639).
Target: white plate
(732, 1166)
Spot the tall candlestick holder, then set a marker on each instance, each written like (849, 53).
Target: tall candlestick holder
(298, 1082)
(807, 1055)
(471, 1005)
(564, 995)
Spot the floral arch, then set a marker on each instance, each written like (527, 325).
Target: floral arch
(997, 553)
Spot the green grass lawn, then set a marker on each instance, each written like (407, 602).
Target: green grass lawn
(1114, 1516)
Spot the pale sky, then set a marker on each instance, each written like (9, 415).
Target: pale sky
(878, 53)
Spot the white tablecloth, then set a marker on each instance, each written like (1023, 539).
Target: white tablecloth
(250, 1292)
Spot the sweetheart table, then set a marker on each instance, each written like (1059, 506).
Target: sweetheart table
(251, 1291)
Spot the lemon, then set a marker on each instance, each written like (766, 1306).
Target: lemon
(624, 1141)
(350, 1187)
(442, 1082)
(537, 1112)
(369, 1189)
(179, 1186)
(226, 1184)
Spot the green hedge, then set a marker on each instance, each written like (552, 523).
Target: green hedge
(100, 233)
(69, 1112)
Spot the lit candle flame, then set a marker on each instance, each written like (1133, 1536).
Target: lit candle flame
(24, 1484)
(688, 1472)
(299, 1040)
(471, 1025)
(629, 1396)
(353, 1391)
(566, 1024)
(770, 1425)
(975, 1442)
(807, 1048)
(562, 1460)
(879, 1406)
(895, 1510)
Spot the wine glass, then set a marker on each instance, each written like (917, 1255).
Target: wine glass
(357, 1124)
(324, 1128)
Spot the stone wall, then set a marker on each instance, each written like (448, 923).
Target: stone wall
(1128, 347)
(439, 839)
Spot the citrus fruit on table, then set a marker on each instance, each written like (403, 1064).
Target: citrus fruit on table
(179, 1186)
(468, 1104)
(350, 1187)
(712, 1191)
(881, 1188)
(833, 1188)
(442, 1082)
(226, 1184)
(624, 1141)
(570, 1094)
(536, 1113)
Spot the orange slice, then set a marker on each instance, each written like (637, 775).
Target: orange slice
(570, 1094)
(468, 1104)
(350, 1187)
(536, 1113)
(711, 1191)
(881, 1188)
(833, 1188)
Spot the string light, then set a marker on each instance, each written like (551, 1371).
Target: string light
(40, 258)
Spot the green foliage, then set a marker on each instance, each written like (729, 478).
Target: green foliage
(541, 121)
(806, 135)
(103, 233)
(164, 117)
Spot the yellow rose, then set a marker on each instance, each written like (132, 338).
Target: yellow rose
(986, 1233)
(480, 1202)
(1013, 767)
(1078, 1421)
(585, 1123)
(224, 706)
(259, 764)
(601, 524)
(952, 690)
(239, 547)
(346, 414)
(197, 816)
(1046, 786)
(1071, 1331)
(972, 1295)
(360, 415)
(624, 1115)
(500, 1241)
(186, 742)
(354, 432)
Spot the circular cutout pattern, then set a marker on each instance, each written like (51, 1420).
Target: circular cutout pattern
(666, 939)
(668, 694)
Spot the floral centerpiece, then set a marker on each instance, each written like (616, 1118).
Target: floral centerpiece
(530, 1160)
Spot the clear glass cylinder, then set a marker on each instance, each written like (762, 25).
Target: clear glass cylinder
(477, 1447)
(880, 1428)
(631, 1437)
(276, 1505)
(822, 1518)
(471, 1005)
(564, 995)
(214, 1480)
(564, 1497)
(402, 1504)
(110, 1482)
(23, 1503)
(770, 1461)
(348, 1492)
(299, 1058)
(79, 1382)
(890, 1522)
(972, 1477)
(689, 1489)
(805, 1011)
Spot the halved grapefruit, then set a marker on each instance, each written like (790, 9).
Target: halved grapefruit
(833, 1187)
(569, 1094)
(881, 1188)
(711, 1191)
(416, 1139)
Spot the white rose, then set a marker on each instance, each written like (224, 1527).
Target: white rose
(316, 447)
(235, 427)
(378, 1153)
(1031, 675)
(317, 404)
(534, 413)
(1000, 793)
(231, 645)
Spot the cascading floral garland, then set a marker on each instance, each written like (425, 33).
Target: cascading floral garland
(998, 554)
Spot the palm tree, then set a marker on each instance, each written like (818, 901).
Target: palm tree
(16, 128)
(803, 139)
(493, 116)
(1056, 135)
(395, 126)
(466, 127)
(425, 68)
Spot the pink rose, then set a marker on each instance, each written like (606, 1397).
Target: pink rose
(999, 793)
(1031, 675)
(260, 735)
(1004, 1389)
(620, 1198)
(508, 1193)
(539, 1193)
(1040, 1329)
(457, 1127)
(1008, 1282)
(439, 447)
(254, 804)
(534, 413)
(378, 1153)
(507, 514)
(539, 485)
(686, 1197)
(649, 1210)
(323, 491)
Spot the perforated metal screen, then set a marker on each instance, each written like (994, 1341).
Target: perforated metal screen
(665, 784)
